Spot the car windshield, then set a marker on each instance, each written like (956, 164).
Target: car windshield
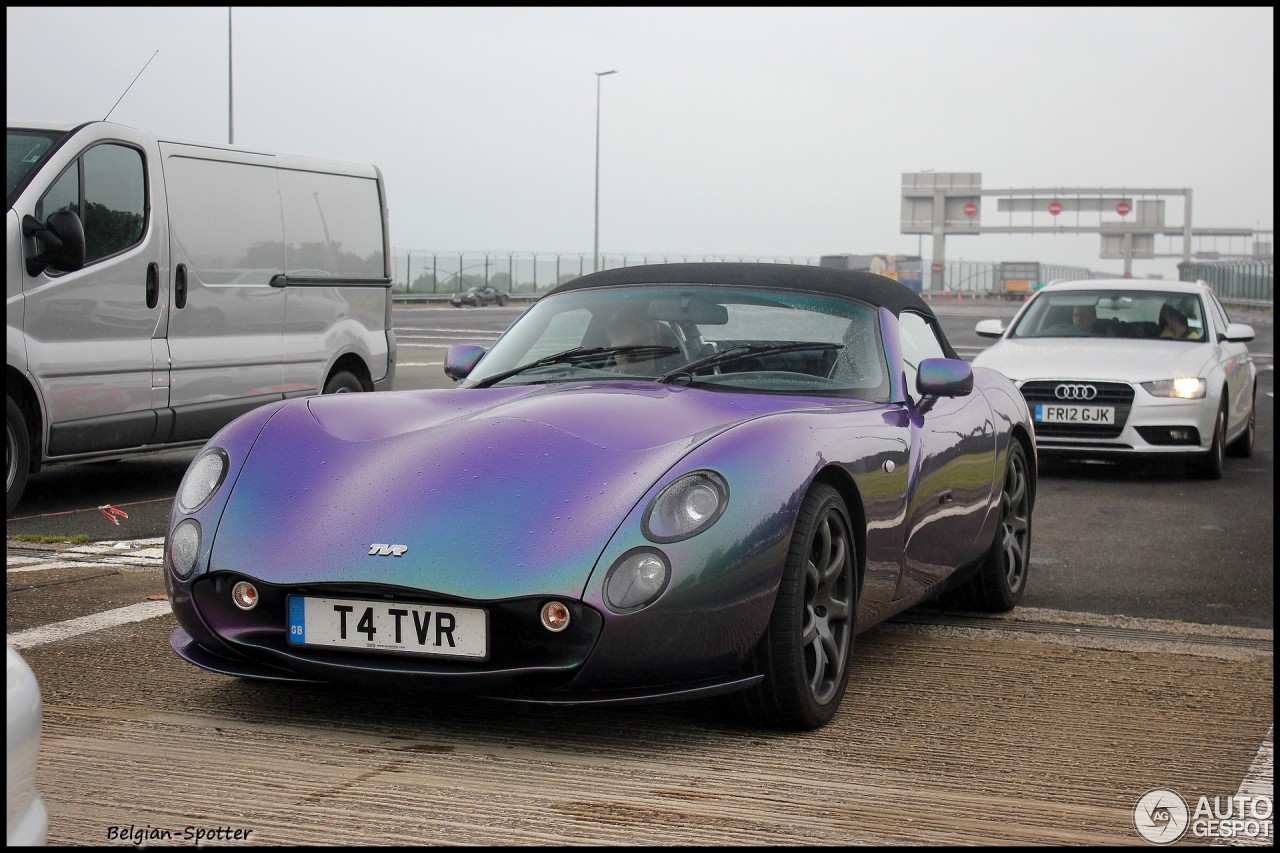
(24, 151)
(771, 341)
(1114, 313)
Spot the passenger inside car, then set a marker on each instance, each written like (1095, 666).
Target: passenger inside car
(1173, 324)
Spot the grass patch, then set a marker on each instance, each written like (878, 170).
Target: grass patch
(78, 539)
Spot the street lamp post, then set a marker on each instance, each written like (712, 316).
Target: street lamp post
(595, 254)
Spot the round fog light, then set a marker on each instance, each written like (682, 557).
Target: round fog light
(636, 580)
(555, 616)
(245, 595)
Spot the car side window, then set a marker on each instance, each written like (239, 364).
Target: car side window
(115, 191)
(919, 341)
(113, 207)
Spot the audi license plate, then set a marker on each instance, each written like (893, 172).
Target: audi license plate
(389, 626)
(1052, 413)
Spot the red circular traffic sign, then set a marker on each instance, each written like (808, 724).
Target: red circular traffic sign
(1123, 208)
(1055, 207)
(970, 209)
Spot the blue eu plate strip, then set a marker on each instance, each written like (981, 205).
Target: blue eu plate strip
(297, 619)
(1039, 411)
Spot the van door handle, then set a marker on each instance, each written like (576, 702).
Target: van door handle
(153, 284)
(279, 280)
(180, 286)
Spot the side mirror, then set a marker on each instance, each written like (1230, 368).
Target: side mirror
(460, 360)
(944, 377)
(989, 328)
(1239, 333)
(61, 236)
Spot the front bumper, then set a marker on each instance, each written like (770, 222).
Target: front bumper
(1147, 425)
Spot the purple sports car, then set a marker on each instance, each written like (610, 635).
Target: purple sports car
(696, 479)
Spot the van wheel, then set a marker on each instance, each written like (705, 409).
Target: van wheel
(17, 454)
(342, 382)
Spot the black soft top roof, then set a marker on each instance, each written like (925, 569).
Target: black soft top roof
(868, 287)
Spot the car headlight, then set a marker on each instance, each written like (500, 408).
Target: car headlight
(636, 580)
(184, 546)
(1184, 387)
(686, 507)
(202, 479)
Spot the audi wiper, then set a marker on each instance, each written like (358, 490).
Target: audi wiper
(578, 354)
(739, 352)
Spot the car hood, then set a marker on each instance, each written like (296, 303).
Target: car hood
(1101, 359)
(494, 492)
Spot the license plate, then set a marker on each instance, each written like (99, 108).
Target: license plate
(389, 626)
(1049, 413)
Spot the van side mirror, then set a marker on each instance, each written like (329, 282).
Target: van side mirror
(61, 236)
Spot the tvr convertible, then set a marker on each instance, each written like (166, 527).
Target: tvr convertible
(695, 479)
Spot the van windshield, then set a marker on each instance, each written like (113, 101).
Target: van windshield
(26, 149)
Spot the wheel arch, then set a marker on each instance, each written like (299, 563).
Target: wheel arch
(24, 394)
(840, 480)
(353, 364)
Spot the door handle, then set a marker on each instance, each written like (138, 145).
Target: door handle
(153, 284)
(180, 286)
(279, 280)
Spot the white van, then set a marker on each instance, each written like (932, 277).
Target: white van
(157, 289)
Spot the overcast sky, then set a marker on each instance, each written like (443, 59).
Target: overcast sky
(754, 131)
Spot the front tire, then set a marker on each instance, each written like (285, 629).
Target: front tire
(806, 649)
(1002, 579)
(17, 454)
(1242, 447)
(1209, 465)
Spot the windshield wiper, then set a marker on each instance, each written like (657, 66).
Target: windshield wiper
(738, 352)
(572, 356)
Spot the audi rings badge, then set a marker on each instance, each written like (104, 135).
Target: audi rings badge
(1072, 391)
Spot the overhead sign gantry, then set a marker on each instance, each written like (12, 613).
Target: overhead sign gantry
(950, 203)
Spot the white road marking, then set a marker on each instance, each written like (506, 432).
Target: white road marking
(419, 363)
(1258, 782)
(85, 624)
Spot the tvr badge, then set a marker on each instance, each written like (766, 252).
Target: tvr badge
(376, 550)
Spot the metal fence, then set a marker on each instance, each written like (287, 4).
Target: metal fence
(1245, 282)
(425, 272)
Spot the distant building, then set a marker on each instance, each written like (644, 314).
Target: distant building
(905, 269)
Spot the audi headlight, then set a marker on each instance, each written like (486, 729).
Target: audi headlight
(1184, 387)
(686, 507)
(636, 580)
(202, 479)
(184, 547)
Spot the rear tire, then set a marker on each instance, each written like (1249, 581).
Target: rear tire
(1208, 466)
(342, 382)
(1001, 581)
(1242, 447)
(806, 649)
(17, 454)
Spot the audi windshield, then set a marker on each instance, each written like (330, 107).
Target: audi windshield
(1113, 314)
